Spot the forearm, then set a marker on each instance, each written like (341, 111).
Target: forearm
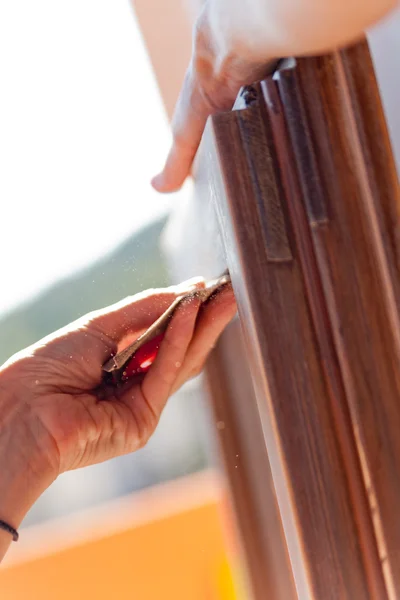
(16, 495)
(23, 474)
(275, 28)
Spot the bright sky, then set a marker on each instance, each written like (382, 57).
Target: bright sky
(82, 130)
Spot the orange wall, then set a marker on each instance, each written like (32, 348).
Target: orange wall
(165, 543)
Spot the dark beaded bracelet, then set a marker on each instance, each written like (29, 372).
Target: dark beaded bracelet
(9, 529)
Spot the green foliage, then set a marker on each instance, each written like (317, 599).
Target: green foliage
(134, 266)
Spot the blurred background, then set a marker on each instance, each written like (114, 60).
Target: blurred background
(87, 90)
(84, 127)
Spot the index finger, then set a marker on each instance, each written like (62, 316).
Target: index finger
(137, 312)
(190, 117)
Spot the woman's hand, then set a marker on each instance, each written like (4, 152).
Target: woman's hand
(51, 417)
(235, 43)
(217, 71)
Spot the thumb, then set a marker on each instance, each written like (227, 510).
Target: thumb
(137, 313)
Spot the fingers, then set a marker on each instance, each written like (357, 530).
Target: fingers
(188, 124)
(213, 319)
(187, 342)
(81, 348)
(139, 312)
(212, 83)
(156, 386)
(203, 93)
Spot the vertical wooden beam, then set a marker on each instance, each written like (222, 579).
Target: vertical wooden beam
(306, 192)
(245, 457)
(309, 206)
(193, 245)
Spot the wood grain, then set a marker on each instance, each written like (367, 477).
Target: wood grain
(242, 442)
(306, 461)
(193, 244)
(310, 220)
(357, 254)
(306, 195)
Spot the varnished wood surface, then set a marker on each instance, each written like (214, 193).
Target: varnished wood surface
(309, 210)
(243, 455)
(357, 254)
(314, 210)
(193, 245)
(304, 185)
(293, 400)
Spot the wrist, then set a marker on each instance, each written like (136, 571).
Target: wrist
(25, 472)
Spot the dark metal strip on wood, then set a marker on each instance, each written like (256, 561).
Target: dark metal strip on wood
(302, 148)
(262, 169)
